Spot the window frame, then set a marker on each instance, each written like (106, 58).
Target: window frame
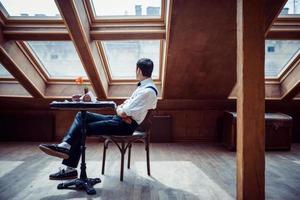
(108, 73)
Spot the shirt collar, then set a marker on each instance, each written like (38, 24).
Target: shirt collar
(146, 82)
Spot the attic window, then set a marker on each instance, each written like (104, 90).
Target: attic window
(58, 58)
(122, 56)
(124, 9)
(4, 73)
(292, 7)
(31, 8)
(277, 60)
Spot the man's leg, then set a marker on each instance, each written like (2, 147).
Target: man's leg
(106, 125)
(73, 136)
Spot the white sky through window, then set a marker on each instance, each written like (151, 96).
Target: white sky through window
(26, 8)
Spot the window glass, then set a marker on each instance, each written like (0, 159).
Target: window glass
(122, 57)
(127, 8)
(59, 58)
(31, 8)
(292, 7)
(278, 53)
(4, 73)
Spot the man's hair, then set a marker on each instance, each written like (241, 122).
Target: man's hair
(146, 66)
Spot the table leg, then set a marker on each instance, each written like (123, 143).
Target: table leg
(83, 182)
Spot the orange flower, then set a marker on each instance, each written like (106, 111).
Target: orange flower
(79, 80)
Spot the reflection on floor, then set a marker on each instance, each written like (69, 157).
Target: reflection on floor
(179, 171)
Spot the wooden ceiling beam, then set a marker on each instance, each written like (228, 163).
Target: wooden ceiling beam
(122, 34)
(285, 29)
(272, 9)
(76, 20)
(20, 67)
(290, 85)
(36, 33)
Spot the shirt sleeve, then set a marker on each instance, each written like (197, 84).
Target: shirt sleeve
(139, 103)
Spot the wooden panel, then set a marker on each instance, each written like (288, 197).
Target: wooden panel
(20, 67)
(272, 9)
(202, 50)
(204, 127)
(285, 28)
(64, 90)
(192, 125)
(13, 89)
(274, 34)
(290, 85)
(125, 90)
(26, 126)
(76, 20)
(42, 32)
(272, 91)
(250, 100)
(125, 34)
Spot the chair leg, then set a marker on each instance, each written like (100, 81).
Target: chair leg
(129, 152)
(148, 156)
(104, 156)
(122, 161)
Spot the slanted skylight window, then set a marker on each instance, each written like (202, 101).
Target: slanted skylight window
(127, 8)
(31, 8)
(123, 55)
(4, 73)
(59, 58)
(278, 54)
(292, 7)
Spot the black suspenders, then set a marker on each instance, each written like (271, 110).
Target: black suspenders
(153, 88)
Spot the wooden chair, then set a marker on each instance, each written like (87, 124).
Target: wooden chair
(142, 133)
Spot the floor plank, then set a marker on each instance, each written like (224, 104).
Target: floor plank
(179, 171)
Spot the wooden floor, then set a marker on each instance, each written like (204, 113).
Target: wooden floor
(179, 171)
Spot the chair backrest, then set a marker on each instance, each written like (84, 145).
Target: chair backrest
(147, 122)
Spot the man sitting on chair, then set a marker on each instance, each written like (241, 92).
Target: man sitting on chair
(129, 115)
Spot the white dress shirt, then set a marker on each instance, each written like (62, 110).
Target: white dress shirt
(141, 100)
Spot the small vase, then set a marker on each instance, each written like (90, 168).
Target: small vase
(86, 90)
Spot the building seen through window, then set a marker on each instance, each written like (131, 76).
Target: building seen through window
(292, 7)
(119, 8)
(277, 55)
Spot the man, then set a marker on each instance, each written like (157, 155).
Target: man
(129, 115)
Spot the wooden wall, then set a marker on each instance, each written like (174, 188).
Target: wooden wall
(202, 50)
(192, 120)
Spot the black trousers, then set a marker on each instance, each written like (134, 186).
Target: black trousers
(96, 124)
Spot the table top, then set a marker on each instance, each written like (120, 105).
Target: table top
(73, 105)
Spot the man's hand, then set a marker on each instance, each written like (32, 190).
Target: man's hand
(127, 119)
(123, 115)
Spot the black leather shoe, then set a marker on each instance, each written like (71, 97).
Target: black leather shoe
(54, 150)
(63, 175)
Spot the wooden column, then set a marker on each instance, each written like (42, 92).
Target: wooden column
(250, 100)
